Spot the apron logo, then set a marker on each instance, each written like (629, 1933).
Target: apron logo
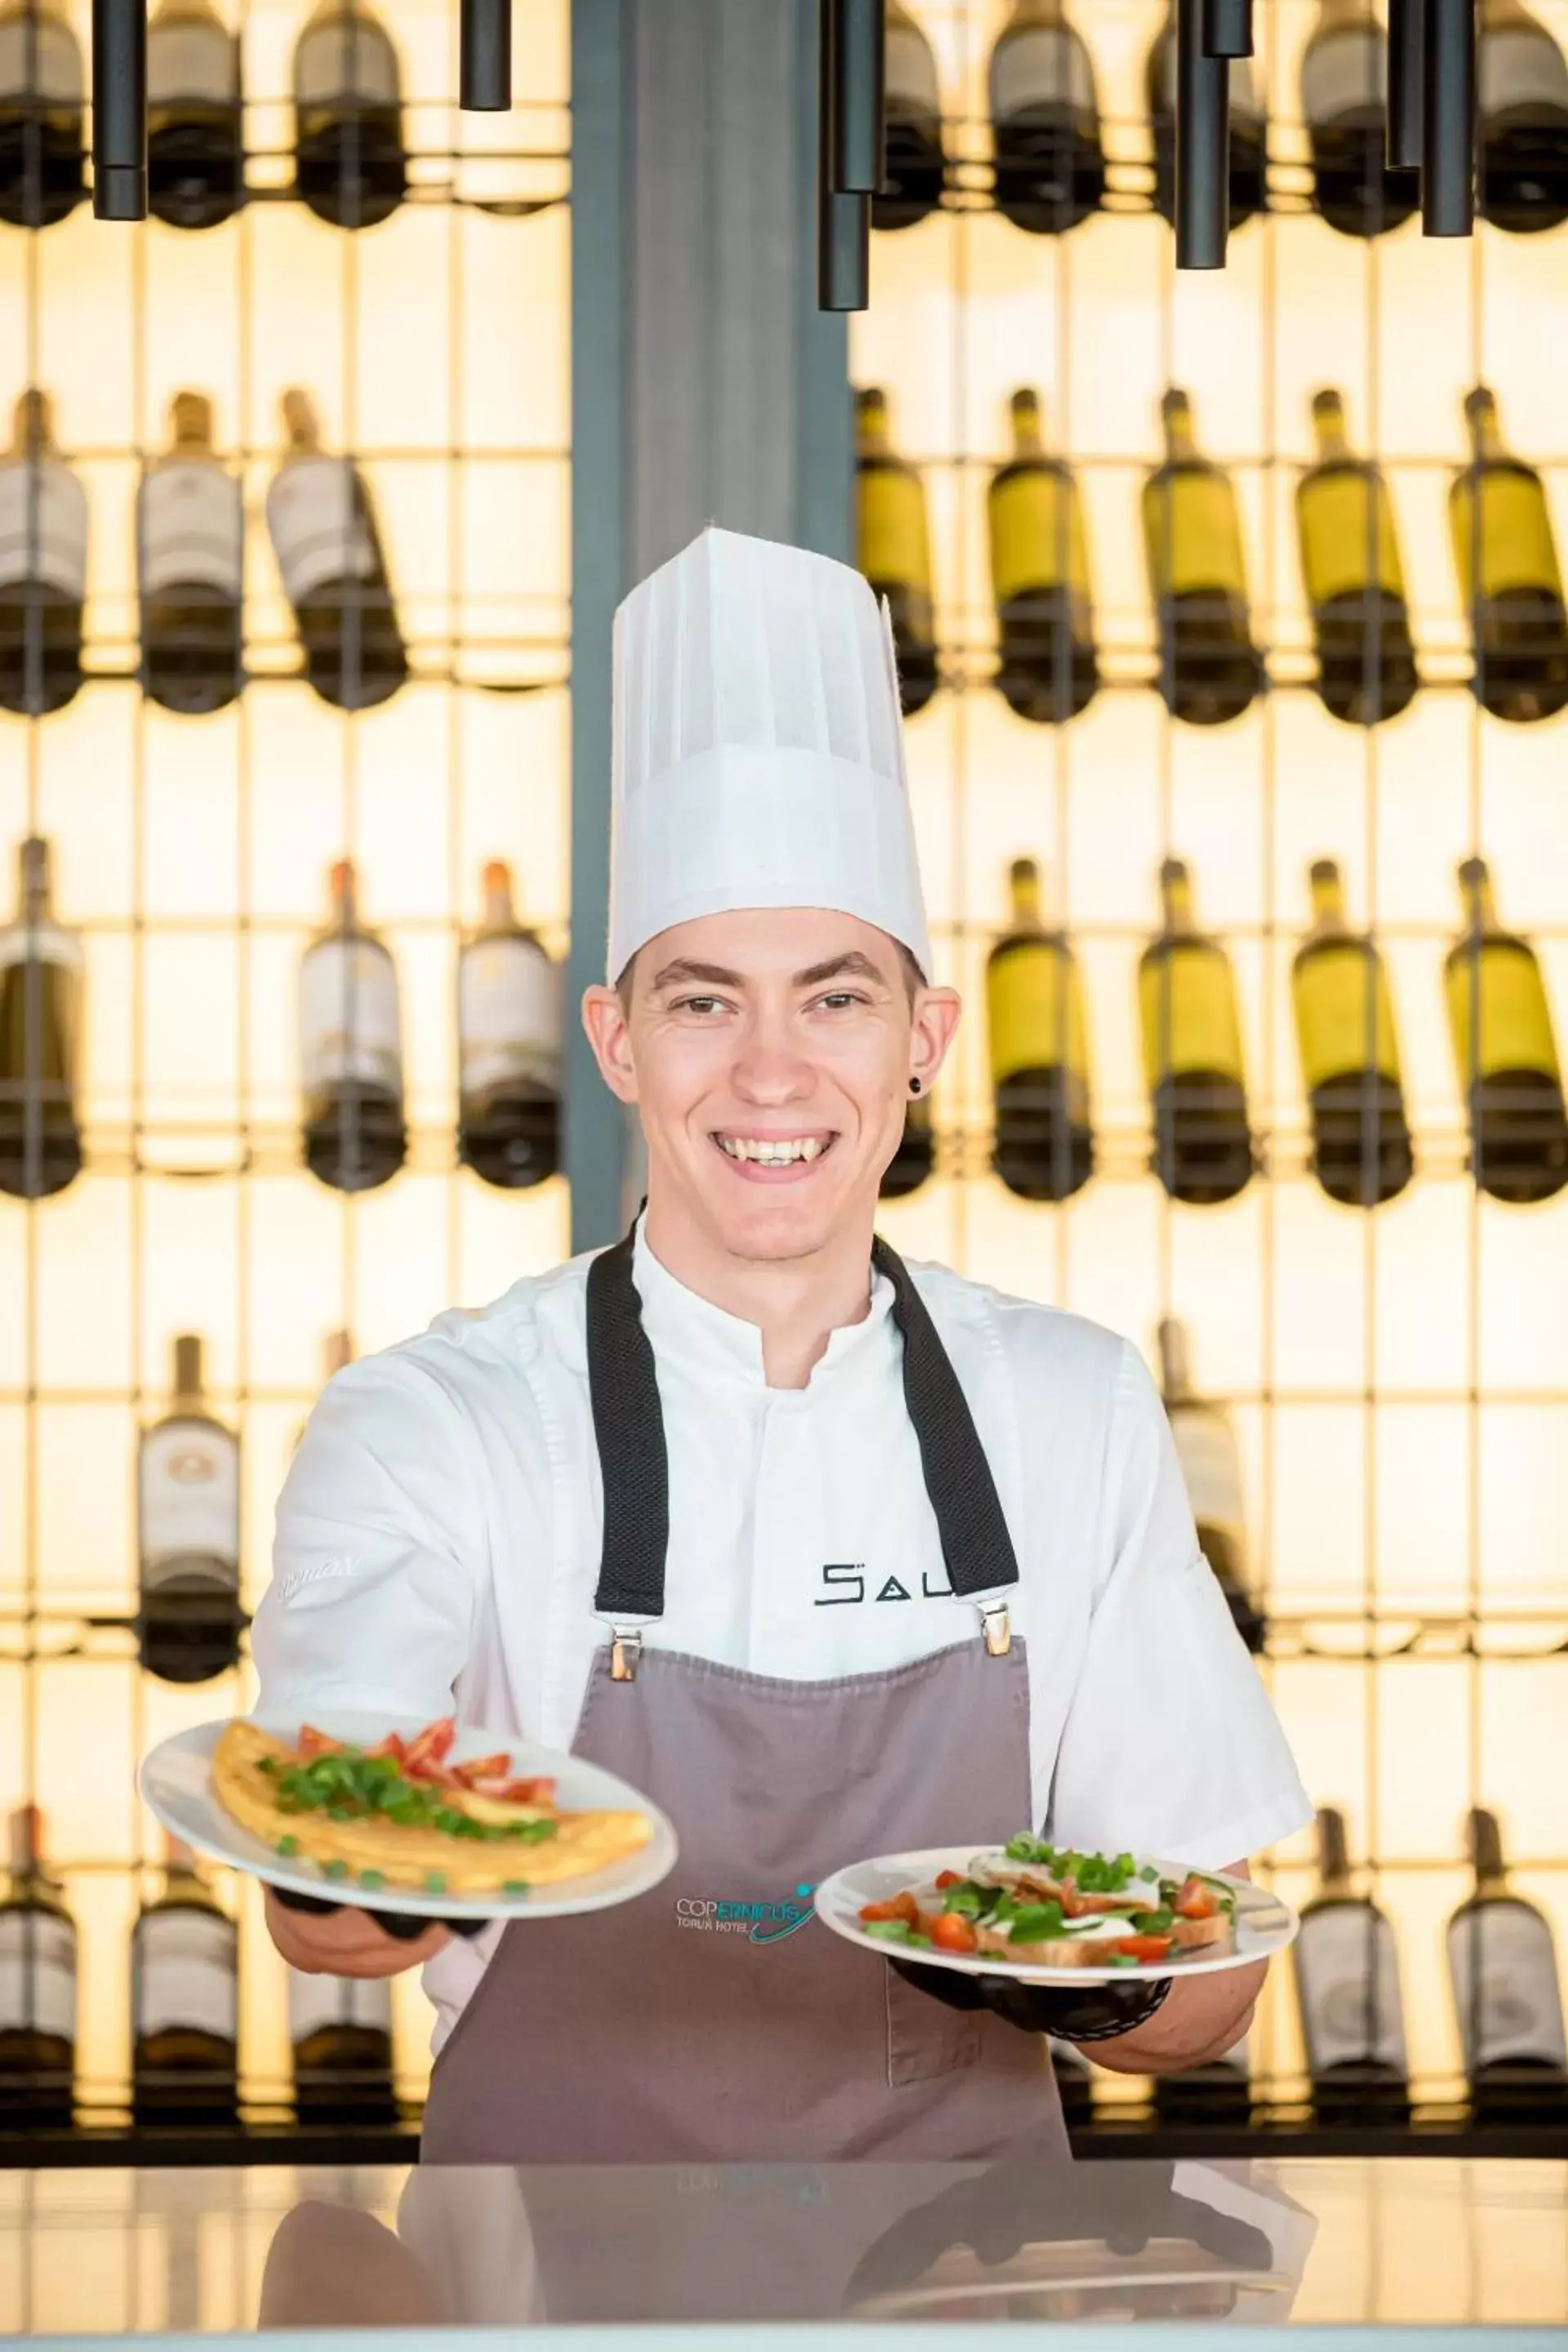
(845, 1585)
(758, 1923)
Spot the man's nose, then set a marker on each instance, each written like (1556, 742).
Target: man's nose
(770, 1067)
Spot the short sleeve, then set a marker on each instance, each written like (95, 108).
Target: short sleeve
(375, 1563)
(1170, 1745)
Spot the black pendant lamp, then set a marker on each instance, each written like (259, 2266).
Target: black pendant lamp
(484, 57)
(119, 110)
(1406, 82)
(850, 135)
(1227, 28)
(1448, 117)
(1202, 143)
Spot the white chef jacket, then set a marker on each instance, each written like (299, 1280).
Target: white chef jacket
(439, 1531)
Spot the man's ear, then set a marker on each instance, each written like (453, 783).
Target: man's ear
(609, 1033)
(935, 1017)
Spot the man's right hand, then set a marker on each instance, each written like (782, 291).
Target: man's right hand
(342, 1940)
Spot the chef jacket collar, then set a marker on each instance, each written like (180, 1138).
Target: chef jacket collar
(704, 1338)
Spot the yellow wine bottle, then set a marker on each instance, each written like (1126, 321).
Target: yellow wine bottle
(1355, 582)
(893, 545)
(1039, 577)
(1350, 1057)
(1500, 1023)
(1039, 1052)
(1209, 668)
(1510, 578)
(1192, 1055)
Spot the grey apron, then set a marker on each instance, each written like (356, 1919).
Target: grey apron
(715, 2019)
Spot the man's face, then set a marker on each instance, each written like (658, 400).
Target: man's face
(768, 1054)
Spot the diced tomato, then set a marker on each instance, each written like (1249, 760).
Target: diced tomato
(1195, 1900)
(482, 1768)
(1142, 1947)
(952, 1932)
(528, 1792)
(317, 1743)
(391, 1746)
(946, 1878)
(428, 1747)
(901, 1906)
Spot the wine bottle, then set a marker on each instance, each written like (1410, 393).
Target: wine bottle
(1347, 1984)
(1045, 121)
(1248, 189)
(40, 1026)
(37, 1987)
(1209, 668)
(1039, 576)
(1039, 1052)
(43, 567)
(190, 528)
(351, 1054)
(1506, 1052)
(1523, 88)
(196, 159)
(337, 1353)
(914, 165)
(1345, 98)
(1211, 1468)
(185, 2001)
(324, 534)
(915, 1157)
(1502, 1967)
(350, 163)
(1355, 580)
(509, 1046)
(893, 547)
(42, 87)
(1510, 579)
(341, 2029)
(1219, 2092)
(188, 1509)
(1192, 1055)
(1350, 1057)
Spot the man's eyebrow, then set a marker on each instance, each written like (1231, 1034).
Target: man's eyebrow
(853, 966)
(684, 968)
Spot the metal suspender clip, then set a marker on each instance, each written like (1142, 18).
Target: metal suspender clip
(626, 1655)
(994, 1624)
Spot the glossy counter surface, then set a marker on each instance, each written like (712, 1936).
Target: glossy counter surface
(1446, 2244)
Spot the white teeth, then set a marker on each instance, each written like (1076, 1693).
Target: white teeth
(770, 1154)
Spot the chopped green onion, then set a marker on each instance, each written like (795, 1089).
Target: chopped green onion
(965, 1899)
(515, 1886)
(288, 1845)
(1153, 1923)
(1122, 1960)
(434, 1882)
(334, 1870)
(889, 1931)
(373, 1878)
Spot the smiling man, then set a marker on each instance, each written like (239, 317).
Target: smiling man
(829, 1556)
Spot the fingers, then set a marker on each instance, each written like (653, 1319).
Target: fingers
(346, 1941)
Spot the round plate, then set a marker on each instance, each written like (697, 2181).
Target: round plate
(1264, 1925)
(176, 1782)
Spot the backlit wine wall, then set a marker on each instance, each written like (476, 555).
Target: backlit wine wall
(192, 855)
(1399, 1381)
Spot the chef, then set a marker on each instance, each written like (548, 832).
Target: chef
(828, 1555)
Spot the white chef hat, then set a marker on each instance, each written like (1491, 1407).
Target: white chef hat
(758, 756)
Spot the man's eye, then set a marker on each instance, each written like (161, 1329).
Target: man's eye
(699, 1004)
(838, 997)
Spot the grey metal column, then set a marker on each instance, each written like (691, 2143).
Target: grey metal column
(705, 387)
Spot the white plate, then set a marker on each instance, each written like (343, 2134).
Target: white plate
(1264, 1925)
(176, 1783)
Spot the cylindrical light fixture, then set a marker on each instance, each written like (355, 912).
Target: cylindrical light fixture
(1203, 145)
(484, 57)
(1407, 49)
(1227, 28)
(857, 106)
(1448, 127)
(842, 214)
(119, 110)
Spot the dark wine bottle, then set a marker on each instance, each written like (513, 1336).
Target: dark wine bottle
(191, 556)
(42, 86)
(43, 567)
(915, 1157)
(1045, 121)
(341, 2029)
(1347, 1982)
(1039, 1052)
(350, 163)
(1506, 1052)
(351, 1054)
(37, 1988)
(1355, 582)
(1523, 88)
(914, 163)
(893, 547)
(1210, 670)
(1249, 131)
(1345, 98)
(1211, 1470)
(1350, 1057)
(509, 1046)
(188, 1513)
(1047, 667)
(1192, 1055)
(185, 2001)
(195, 160)
(40, 1026)
(1510, 578)
(1502, 1967)
(324, 534)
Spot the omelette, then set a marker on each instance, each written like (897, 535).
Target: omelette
(398, 1814)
